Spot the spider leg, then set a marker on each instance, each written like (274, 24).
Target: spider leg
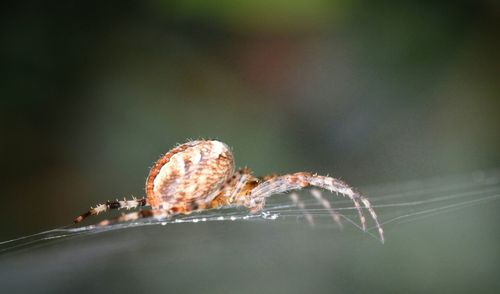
(241, 183)
(374, 217)
(335, 216)
(116, 204)
(244, 180)
(297, 181)
(300, 204)
(158, 213)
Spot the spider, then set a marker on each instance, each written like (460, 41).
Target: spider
(199, 175)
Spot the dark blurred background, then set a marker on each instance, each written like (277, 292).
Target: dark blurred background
(93, 92)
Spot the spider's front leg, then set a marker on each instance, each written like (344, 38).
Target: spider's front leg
(296, 181)
(236, 190)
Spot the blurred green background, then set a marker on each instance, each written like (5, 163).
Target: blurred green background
(93, 92)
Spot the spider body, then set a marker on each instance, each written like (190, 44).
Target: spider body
(200, 175)
(189, 176)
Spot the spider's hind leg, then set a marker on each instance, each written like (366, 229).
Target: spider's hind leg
(158, 213)
(109, 205)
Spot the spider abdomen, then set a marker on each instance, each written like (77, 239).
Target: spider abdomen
(189, 175)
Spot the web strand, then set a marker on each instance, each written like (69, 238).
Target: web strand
(395, 204)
